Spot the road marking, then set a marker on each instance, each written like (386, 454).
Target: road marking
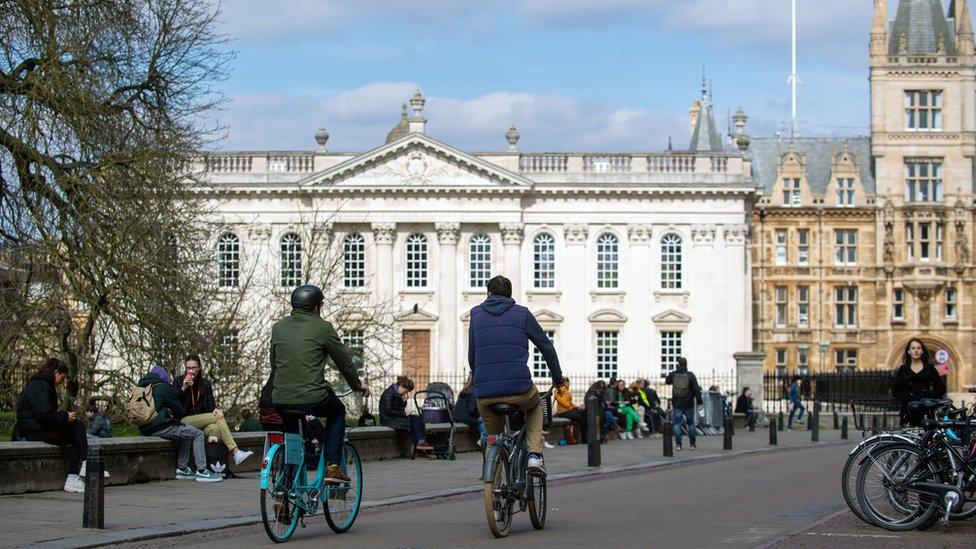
(831, 534)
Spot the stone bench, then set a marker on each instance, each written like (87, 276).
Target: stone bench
(38, 467)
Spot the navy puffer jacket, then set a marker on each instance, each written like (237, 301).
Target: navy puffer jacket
(498, 348)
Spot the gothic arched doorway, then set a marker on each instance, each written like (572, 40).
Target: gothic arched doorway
(949, 356)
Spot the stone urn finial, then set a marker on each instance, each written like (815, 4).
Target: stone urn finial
(321, 137)
(512, 135)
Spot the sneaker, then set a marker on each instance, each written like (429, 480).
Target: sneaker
(240, 456)
(677, 447)
(212, 439)
(638, 433)
(546, 445)
(424, 446)
(335, 475)
(185, 474)
(84, 467)
(693, 446)
(537, 466)
(478, 443)
(208, 476)
(74, 484)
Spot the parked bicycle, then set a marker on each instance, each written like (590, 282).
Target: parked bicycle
(287, 495)
(509, 487)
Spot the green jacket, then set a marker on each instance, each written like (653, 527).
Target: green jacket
(301, 344)
(167, 400)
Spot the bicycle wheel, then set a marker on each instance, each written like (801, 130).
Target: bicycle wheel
(849, 483)
(880, 497)
(538, 500)
(279, 515)
(341, 501)
(497, 508)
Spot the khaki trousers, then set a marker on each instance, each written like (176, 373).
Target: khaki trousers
(210, 425)
(529, 403)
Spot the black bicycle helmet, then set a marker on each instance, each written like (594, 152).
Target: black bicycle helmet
(306, 296)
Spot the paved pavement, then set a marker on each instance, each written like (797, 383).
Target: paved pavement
(846, 530)
(174, 507)
(737, 501)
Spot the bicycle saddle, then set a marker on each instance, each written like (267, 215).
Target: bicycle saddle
(505, 409)
(928, 404)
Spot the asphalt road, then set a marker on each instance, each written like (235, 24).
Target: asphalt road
(740, 501)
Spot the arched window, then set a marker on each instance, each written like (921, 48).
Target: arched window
(416, 261)
(291, 260)
(353, 261)
(671, 262)
(479, 260)
(544, 261)
(228, 261)
(607, 261)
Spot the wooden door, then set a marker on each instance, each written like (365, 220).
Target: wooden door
(416, 356)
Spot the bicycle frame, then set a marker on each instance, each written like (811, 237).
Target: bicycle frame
(518, 459)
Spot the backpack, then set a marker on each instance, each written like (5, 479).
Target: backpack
(141, 408)
(682, 385)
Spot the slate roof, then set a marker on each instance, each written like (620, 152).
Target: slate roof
(706, 137)
(922, 23)
(820, 152)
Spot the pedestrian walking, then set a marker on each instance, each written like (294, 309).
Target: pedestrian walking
(685, 394)
(794, 402)
(916, 379)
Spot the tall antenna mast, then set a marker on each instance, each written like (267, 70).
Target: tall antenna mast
(793, 79)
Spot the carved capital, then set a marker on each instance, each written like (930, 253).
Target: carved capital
(512, 233)
(384, 233)
(703, 234)
(259, 232)
(735, 234)
(447, 233)
(639, 234)
(323, 230)
(575, 233)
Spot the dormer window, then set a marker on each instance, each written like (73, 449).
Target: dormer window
(791, 191)
(923, 110)
(845, 191)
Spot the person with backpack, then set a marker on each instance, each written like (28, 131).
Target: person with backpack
(685, 393)
(39, 419)
(154, 407)
(197, 398)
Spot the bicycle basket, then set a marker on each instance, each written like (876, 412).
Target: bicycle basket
(878, 413)
(545, 402)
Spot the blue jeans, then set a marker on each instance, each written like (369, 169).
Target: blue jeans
(482, 431)
(796, 405)
(332, 411)
(689, 416)
(416, 429)
(609, 420)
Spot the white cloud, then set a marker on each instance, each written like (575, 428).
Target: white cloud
(359, 120)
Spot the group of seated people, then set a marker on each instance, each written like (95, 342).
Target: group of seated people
(627, 410)
(185, 412)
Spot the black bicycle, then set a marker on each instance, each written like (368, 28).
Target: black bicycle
(509, 487)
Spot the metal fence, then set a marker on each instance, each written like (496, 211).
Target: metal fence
(833, 390)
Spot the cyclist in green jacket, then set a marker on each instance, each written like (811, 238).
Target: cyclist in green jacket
(301, 344)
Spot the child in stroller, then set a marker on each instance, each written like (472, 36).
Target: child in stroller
(437, 415)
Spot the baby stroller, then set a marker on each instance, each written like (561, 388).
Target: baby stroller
(438, 407)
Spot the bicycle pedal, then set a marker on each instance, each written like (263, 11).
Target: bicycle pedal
(301, 521)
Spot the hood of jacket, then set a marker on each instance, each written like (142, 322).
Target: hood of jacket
(149, 379)
(680, 368)
(497, 304)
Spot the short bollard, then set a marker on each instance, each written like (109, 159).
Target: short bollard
(727, 432)
(874, 422)
(772, 432)
(668, 438)
(780, 424)
(94, 510)
(815, 430)
(836, 420)
(592, 432)
(843, 428)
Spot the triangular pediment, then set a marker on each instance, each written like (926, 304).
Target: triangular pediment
(545, 316)
(416, 315)
(419, 161)
(671, 317)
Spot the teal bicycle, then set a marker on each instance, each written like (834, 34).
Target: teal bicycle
(288, 496)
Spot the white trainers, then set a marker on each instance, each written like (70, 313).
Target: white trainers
(537, 466)
(240, 456)
(84, 467)
(212, 439)
(638, 434)
(74, 484)
(545, 444)
(625, 435)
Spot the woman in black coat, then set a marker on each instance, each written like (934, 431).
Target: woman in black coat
(916, 379)
(39, 419)
(393, 413)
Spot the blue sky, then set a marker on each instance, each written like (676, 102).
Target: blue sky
(570, 74)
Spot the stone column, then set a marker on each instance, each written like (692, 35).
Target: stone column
(512, 241)
(572, 277)
(639, 298)
(447, 340)
(749, 373)
(321, 246)
(737, 282)
(383, 236)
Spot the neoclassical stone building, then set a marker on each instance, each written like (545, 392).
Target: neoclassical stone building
(627, 259)
(860, 244)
